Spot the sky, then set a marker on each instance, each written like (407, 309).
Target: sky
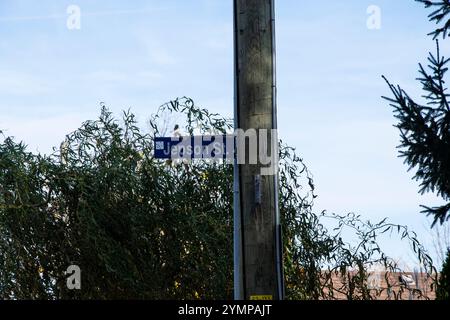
(140, 54)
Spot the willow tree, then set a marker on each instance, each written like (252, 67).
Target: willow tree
(141, 228)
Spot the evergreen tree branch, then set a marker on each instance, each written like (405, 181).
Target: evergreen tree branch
(425, 132)
(438, 16)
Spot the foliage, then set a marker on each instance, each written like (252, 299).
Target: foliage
(315, 257)
(425, 132)
(443, 286)
(425, 128)
(141, 228)
(439, 15)
(137, 228)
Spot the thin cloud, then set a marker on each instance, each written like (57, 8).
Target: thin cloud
(32, 18)
(43, 133)
(85, 14)
(24, 84)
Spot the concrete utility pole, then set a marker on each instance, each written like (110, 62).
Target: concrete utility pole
(258, 257)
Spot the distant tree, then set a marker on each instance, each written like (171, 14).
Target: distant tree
(425, 128)
(440, 236)
(443, 287)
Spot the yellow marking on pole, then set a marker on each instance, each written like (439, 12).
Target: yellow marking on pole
(261, 297)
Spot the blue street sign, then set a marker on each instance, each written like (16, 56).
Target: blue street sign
(195, 147)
